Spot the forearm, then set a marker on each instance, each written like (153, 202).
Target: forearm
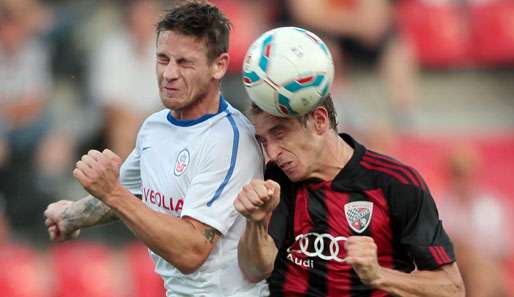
(440, 283)
(256, 251)
(176, 240)
(87, 212)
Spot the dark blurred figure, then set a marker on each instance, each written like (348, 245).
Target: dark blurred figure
(123, 74)
(31, 151)
(250, 18)
(363, 35)
(476, 219)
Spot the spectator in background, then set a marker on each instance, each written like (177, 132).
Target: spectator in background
(364, 35)
(123, 75)
(250, 18)
(476, 221)
(31, 151)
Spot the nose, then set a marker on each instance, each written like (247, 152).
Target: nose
(273, 151)
(171, 71)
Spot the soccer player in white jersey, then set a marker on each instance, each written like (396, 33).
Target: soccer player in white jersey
(176, 189)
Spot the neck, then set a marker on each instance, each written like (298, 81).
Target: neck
(206, 104)
(336, 153)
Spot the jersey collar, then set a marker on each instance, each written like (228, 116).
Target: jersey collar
(187, 123)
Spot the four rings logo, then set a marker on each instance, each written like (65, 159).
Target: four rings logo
(312, 244)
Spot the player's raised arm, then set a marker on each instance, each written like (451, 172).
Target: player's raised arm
(257, 250)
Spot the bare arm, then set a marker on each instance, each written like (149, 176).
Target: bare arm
(64, 218)
(441, 282)
(88, 212)
(257, 250)
(183, 242)
(444, 281)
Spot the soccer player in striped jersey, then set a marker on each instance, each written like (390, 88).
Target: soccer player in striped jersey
(334, 218)
(189, 162)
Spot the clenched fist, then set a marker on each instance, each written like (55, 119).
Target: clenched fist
(60, 225)
(98, 173)
(361, 253)
(258, 199)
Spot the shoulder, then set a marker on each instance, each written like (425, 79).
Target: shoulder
(233, 123)
(389, 172)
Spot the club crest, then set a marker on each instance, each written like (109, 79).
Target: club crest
(358, 214)
(182, 162)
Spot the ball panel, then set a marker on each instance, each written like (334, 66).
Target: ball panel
(287, 71)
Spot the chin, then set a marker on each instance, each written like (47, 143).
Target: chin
(172, 103)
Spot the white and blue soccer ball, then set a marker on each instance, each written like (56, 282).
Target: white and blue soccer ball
(287, 71)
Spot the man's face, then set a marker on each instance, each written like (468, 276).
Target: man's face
(287, 142)
(183, 71)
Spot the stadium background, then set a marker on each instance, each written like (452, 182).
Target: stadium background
(441, 101)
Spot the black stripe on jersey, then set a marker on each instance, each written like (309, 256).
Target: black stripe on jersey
(405, 171)
(317, 282)
(358, 289)
(280, 269)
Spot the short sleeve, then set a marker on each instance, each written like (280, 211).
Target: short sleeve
(421, 232)
(229, 163)
(130, 171)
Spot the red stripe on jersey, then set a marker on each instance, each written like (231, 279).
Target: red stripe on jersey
(386, 171)
(296, 277)
(376, 161)
(338, 280)
(444, 255)
(380, 230)
(394, 162)
(436, 255)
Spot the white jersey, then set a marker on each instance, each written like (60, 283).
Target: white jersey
(196, 168)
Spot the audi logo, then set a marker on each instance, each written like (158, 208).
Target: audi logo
(313, 244)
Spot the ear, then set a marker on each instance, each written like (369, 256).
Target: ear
(219, 66)
(320, 119)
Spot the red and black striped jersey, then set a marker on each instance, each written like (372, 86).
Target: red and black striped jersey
(373, 195)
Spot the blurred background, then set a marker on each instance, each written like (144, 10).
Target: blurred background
(430, 82)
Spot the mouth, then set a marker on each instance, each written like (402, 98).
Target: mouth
(170, 89)
(286, 166)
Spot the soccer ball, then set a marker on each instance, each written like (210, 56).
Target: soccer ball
(287, 71)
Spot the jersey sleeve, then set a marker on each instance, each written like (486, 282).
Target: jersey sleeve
(229, 163)
(419, 228)
(130, 173)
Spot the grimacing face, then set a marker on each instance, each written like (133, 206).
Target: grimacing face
(287, 142)
(183, 71)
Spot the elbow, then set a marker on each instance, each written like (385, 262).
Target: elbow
(255, 278)
(255, 274)
(460, 290)
(189, 262)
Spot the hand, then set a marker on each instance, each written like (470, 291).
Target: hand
(361, 253)
(98, 173)
(59, 227)
(258, 199)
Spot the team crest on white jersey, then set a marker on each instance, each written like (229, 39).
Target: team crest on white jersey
(358, 214)
(182, 162)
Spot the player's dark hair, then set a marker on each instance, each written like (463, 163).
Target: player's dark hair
(200, 19)
(326, 102)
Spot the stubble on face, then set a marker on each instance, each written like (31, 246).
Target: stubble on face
(182, 70)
